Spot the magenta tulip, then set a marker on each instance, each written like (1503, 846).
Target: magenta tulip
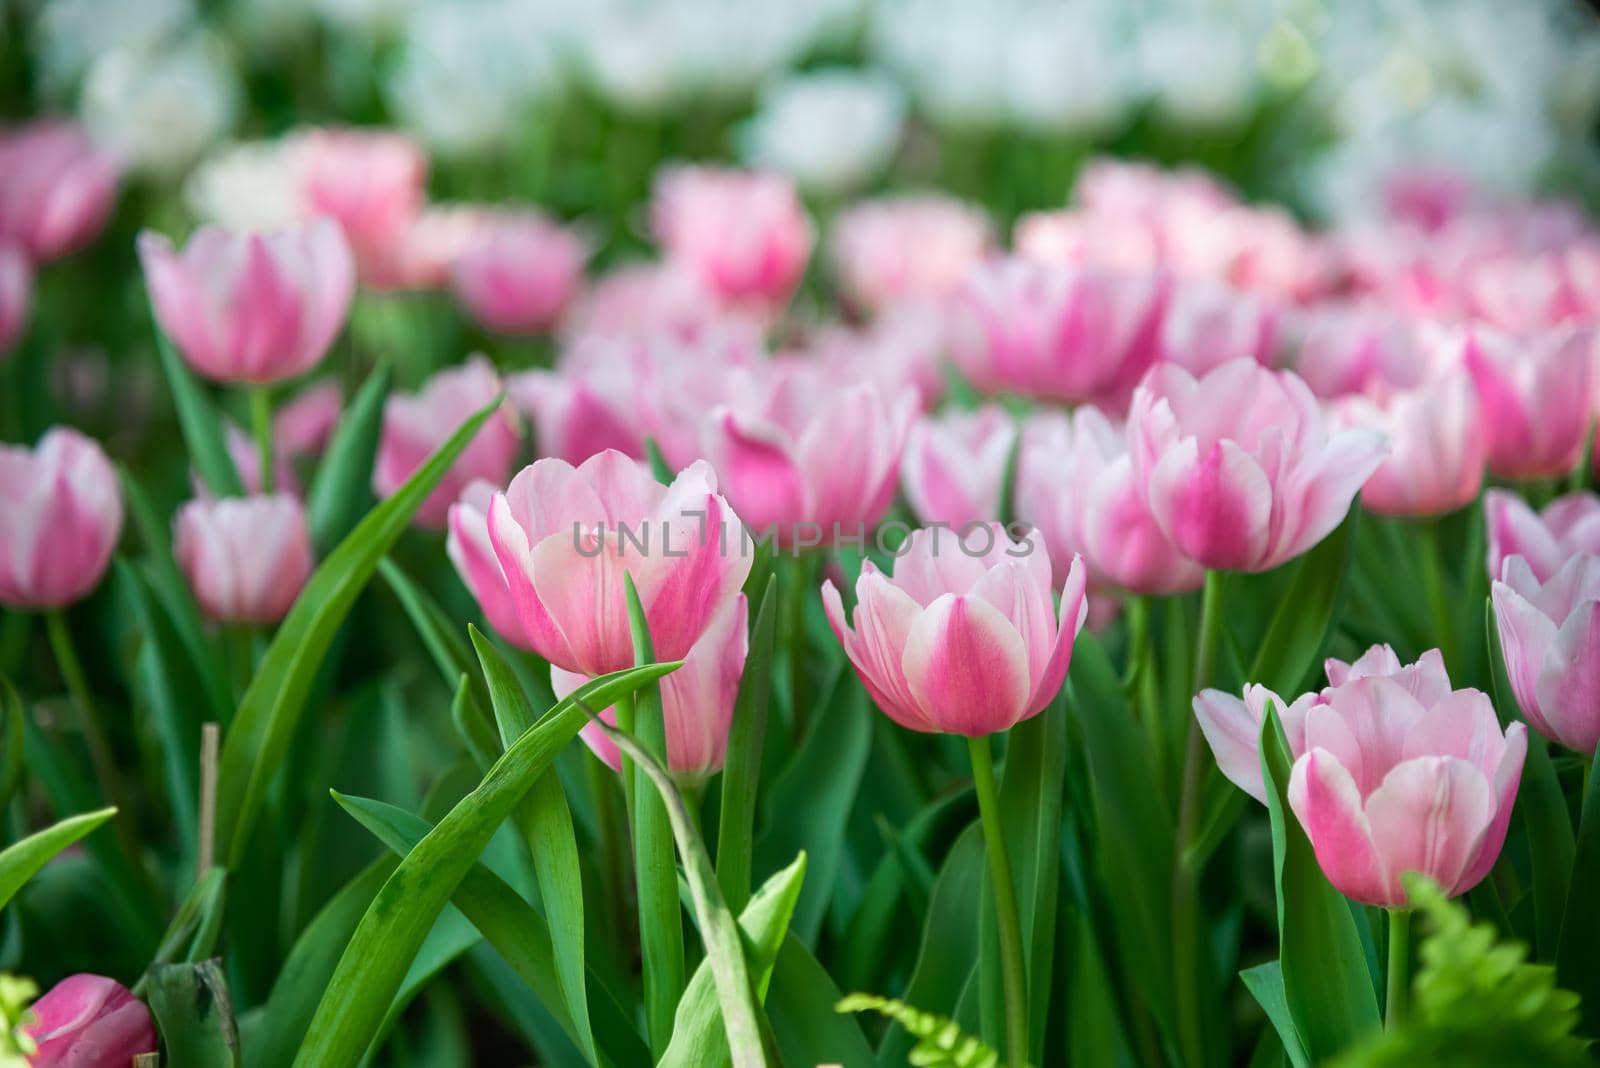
(901, 248)
(470, 550)
(745, 234)
(61, 520)
(1060, 333)
(564, 536)
(519, 272)
(1546, 539)
(963, 638)
(251, 307)
(954, 468)
(89, 1021)
(56, 188)
(1240, 468)
(696, 700)
(16, 294)
(1437, 446)
(1537, 398)
(415, 424)
(1550, 638)
(246, 558)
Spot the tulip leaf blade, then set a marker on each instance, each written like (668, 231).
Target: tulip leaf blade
(1327, 984)
(1306, 614)
(741, 768)
(342, 486)
(800, 1005)
(1265, 983)
(1578, 956)
(199, 423)
(22, 860)
(195, 1014)
(15, 741)
(259, 737)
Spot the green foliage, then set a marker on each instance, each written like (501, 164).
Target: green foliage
(1476, 1001)
(940, 1042)
(15, 994)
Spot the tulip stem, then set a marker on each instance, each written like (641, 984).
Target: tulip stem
(1399, 980)
(261, 423)
(100, 758)
(1013, 977)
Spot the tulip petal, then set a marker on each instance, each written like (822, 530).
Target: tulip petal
(1233, 732)
(1214, 508)
(1429, 816)
(966, 666)
(884, 617)
(1327, 803)
(1525, 634)
(1568, 684)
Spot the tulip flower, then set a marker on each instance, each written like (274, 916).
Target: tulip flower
(1207, 324)
(246, 456)
(519, 272)
(745, 234)
(89, 1021)
(370, 182)
(246, 558)
(806, 458)
(564, 536)
(1354, 348)
(1240, 468)
(656, 300)
(954, 468)
(963, 638)
(572, 419)
(415, 424)
(251, 307)
(1550, 638)
(1436, 446)
(1545, 540)
(901, 248)
(1537, 398)
(56, 188)
(1062, 333)
(1075, 485)
(16, 294)
(470, 550)
(1394, 772)
(61, 520)
(425, 253)
(303, 426)
(696, 700)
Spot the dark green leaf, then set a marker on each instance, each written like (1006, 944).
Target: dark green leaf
(741, 768)
(202, 427)
(1265, 983)
(1304, 618)
(1578, 958)
(342, 488)
(192, 1009)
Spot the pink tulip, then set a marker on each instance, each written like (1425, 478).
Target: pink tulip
(1545, 540)
(368, 181)
(954, 468)
(1207, 324)
(471, 552)
(56, 188)
(246, 457)
(61, 520)
(903, 348)
(806, 458)
(1428, 197)
(745, 234)
(16, 294)
(89, 1021)
(303, 425)
(1070, 238)
(1059, 333)
(656, 300)
(1537, 398)
(1550, 638)
(906, 248)
(696, 700)
(1075, 485)
(963, 638)
(519, 273)
(415, 424)
(1437, 446)
(251, 307)
(564, 536)
(1354, 348)
(1240, 468)
(1394, 772)
(246, 558)
(573, 419)
(424, 254)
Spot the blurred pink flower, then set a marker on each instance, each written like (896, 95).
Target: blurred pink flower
(56, 187)
(573, 420)
(744, 233)
(656, 300)
(416, 424)
(246, 558)
(426, 251)
(915, 247)
(1437, 446)
(471, 552)
(61, 521)
(1545, 540)
(89, 1021)
(1207, 324)
(16, 294)
(251, 307)
(964, 638)
(518, 272)
(1428, 197)
(303, 425)
(1550, 638)
(954, 468)
(1537, 397)
(1342, 348)
(368, 181)
(246, 457)
(1240, 467)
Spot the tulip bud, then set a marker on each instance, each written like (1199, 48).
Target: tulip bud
(1550, 638)
(56, 188)
(246, 558)
(61, 521)
(519, 272)
(89, 1021)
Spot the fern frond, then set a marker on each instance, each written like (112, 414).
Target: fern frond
(940, 1041)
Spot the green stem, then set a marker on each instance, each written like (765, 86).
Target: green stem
(261, 423)
(1433, 588)
(1005, 900)
(1399, 980)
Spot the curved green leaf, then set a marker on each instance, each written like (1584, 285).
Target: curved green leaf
(1304, 618)
(741, 767)
(342, 487)
(200, 424)
(22, 860)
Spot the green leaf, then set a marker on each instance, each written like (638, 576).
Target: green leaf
(512, 926)
(192, 935)
(20, 861)
(800, 1006)
(940, 1041)
(14, 741)
(342, 487)
(201, 426)
(440, 634)
(1326, 982)
(741, 768)
(1265, 983)
(388, 937)
(719, 931)
(698, 1037)
(192, 1009)
(545, 823)
(1578, 958)
(260, 734)
(1305, 615)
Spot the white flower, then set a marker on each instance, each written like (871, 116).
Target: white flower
(829, 130)
(1201, 70)
(246, 186)
(71, 34)
(161, 109)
